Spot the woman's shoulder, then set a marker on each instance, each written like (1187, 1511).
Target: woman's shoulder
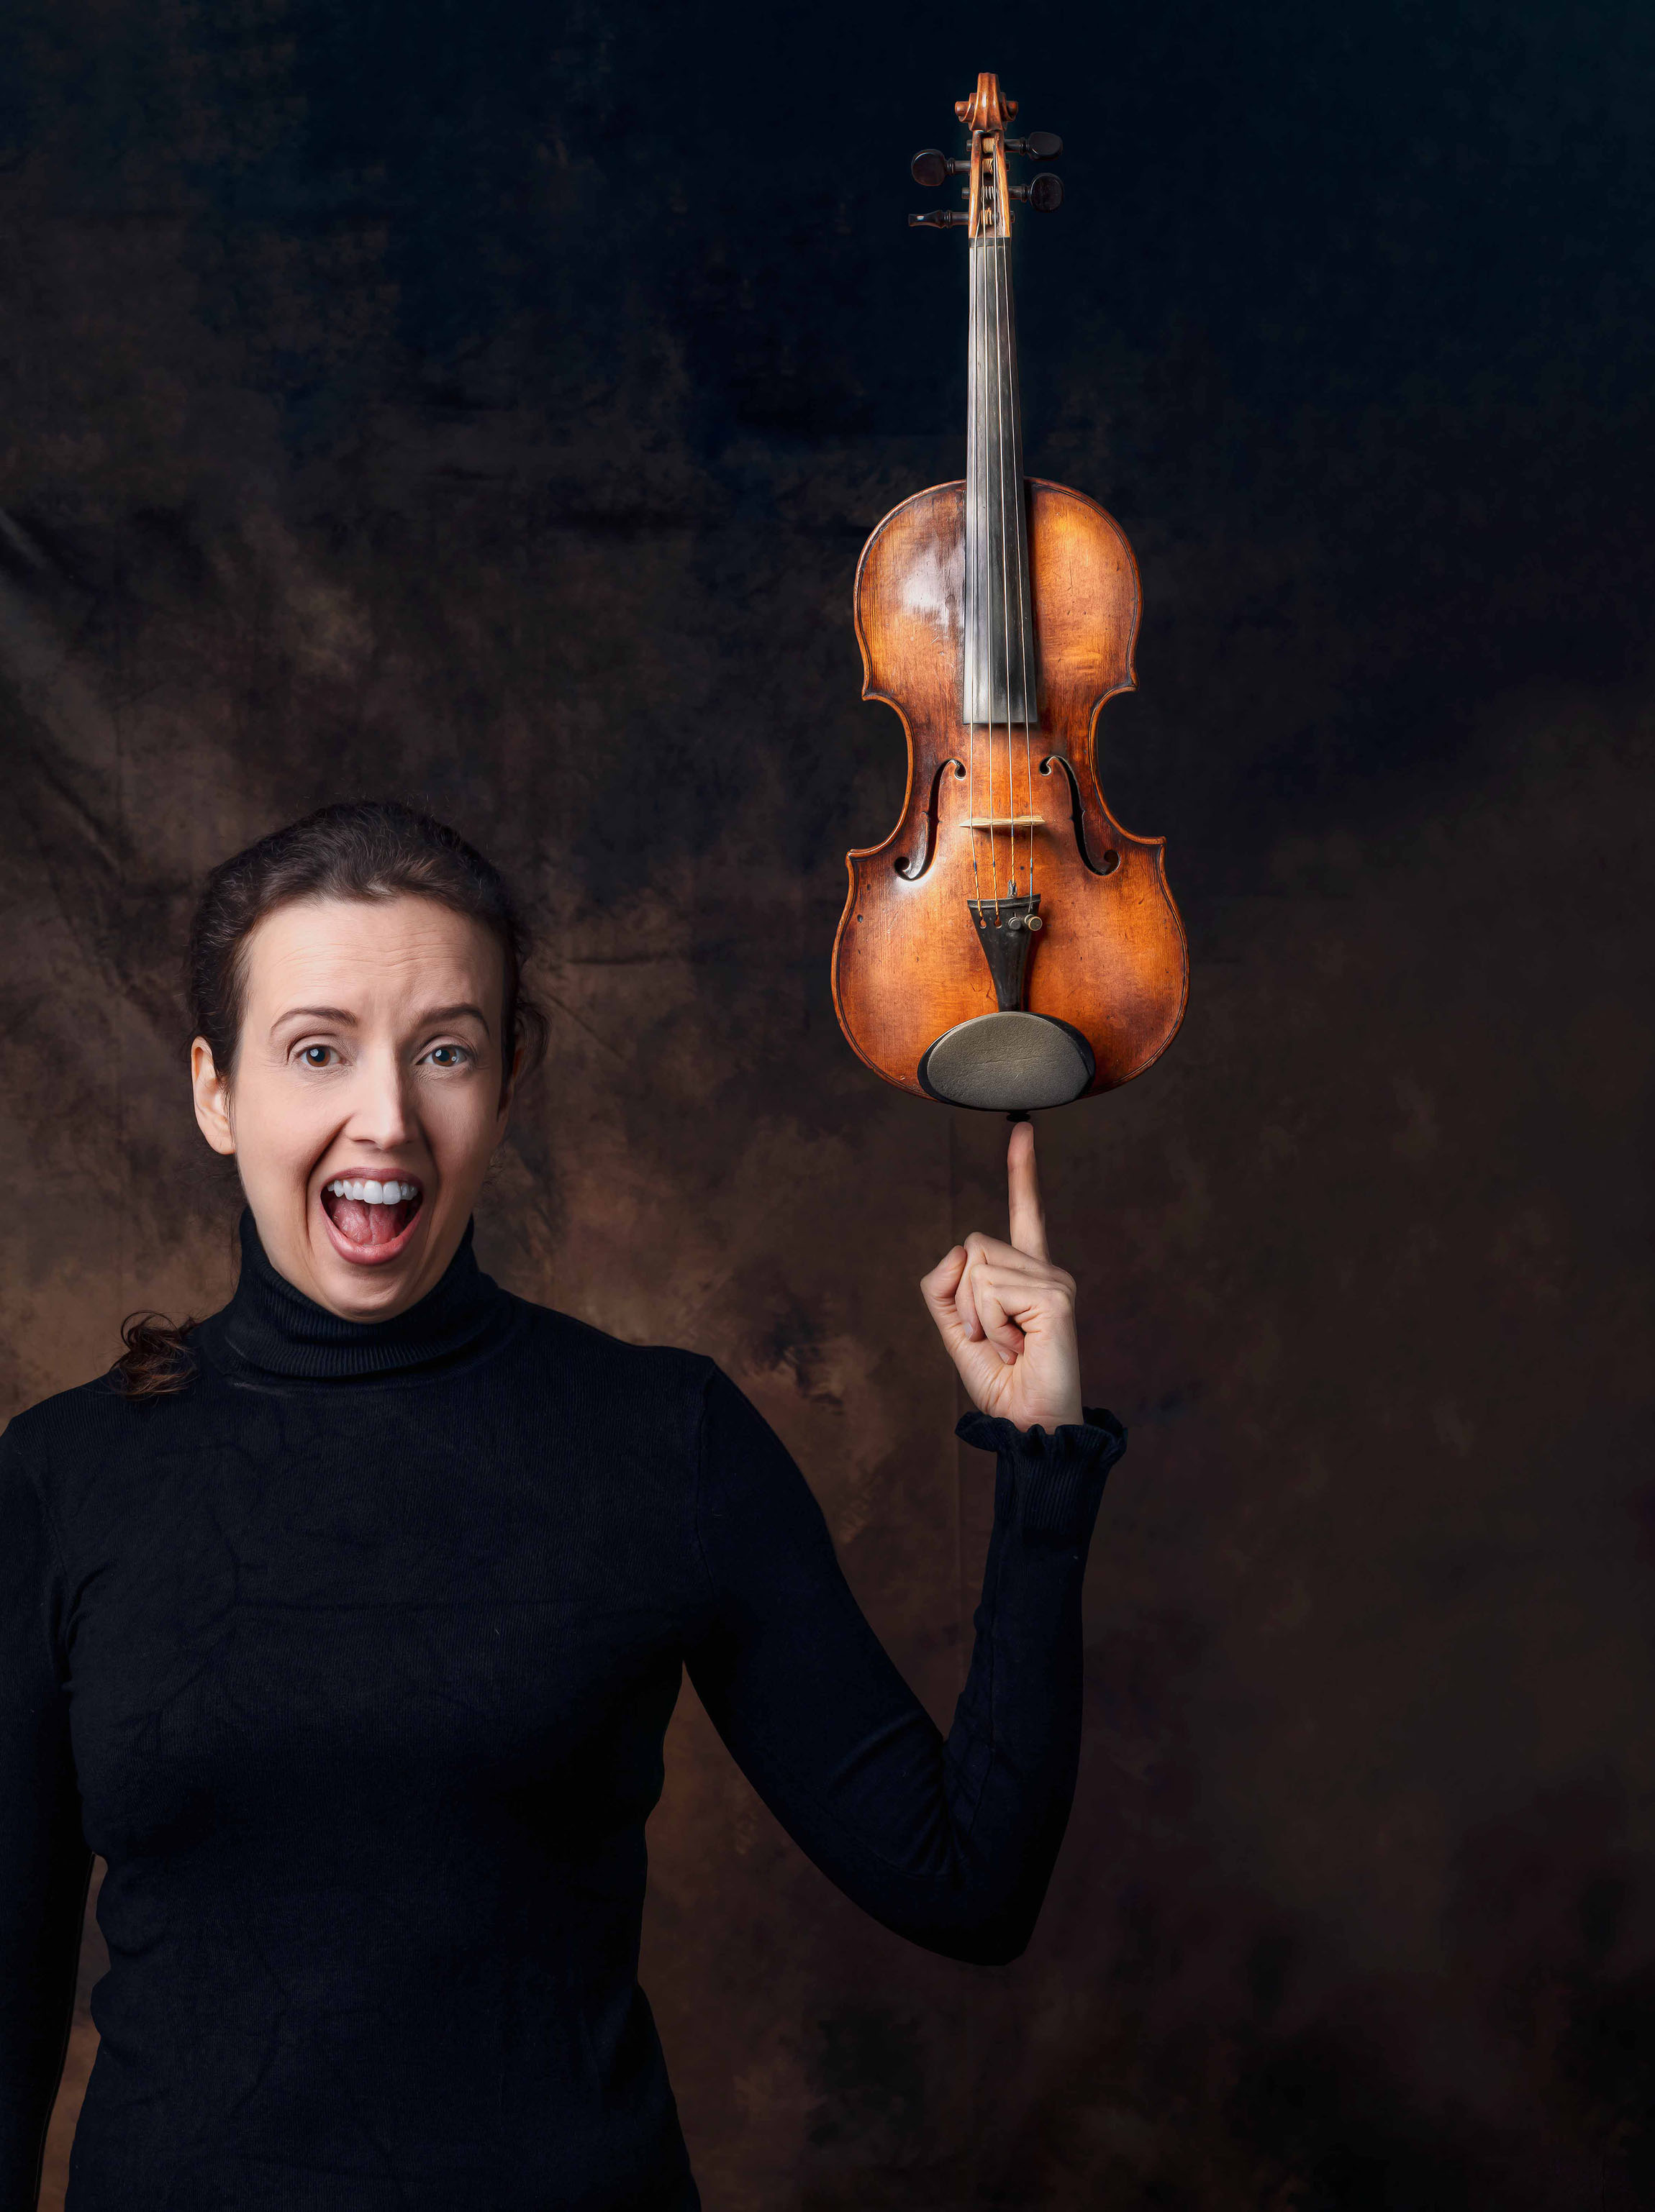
(572, 1353)
(604, 1399)
(89, 1408)
(70, 1438)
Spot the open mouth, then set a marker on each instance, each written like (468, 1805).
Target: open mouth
(370, 1221)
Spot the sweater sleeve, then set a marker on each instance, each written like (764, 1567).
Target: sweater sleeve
(949, 1842)
(44, 1861)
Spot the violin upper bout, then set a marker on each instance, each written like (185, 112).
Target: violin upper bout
(909, 604)
(1088, 599)
(910, 594)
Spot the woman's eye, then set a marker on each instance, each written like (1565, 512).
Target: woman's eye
(448, 1055)
(315, 1055)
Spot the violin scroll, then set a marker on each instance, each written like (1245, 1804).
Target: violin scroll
(988, 108)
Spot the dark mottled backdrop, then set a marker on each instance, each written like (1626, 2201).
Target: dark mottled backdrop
(486, 403)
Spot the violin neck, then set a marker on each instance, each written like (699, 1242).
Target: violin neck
(1002, 675)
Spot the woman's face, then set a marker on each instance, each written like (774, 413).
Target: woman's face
(370, 1055)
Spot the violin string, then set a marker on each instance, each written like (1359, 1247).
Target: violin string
(1003, 459)
(1024, 614)
(997, 511)
(973, 529)
(985, 666)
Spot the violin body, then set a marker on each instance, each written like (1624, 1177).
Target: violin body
(907, 962)
(1008, 946)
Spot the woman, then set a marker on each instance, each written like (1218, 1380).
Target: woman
(346, 1625)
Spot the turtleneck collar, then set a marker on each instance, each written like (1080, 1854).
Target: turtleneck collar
(274, 1326)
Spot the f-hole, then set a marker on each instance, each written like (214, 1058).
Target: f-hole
(1111, 859)
(910, 871)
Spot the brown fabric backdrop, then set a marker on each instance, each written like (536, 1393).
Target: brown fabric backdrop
(312, 489)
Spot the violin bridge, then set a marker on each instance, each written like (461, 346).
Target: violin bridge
(1006, 929)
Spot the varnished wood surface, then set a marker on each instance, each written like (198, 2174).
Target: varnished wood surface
(907, 966)
(987, 109)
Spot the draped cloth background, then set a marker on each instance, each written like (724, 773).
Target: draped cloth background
(487, 405)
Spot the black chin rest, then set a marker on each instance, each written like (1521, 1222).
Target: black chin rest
(1007, 1063)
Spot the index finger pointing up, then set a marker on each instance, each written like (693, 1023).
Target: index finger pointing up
(1028, 1221)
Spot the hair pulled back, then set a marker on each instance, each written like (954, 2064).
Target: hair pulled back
(364, 849)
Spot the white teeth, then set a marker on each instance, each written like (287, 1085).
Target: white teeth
(374, 1192)
(370, 1193)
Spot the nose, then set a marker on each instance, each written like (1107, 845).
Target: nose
(381, 1114)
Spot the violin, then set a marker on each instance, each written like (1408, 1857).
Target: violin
(1008, 946)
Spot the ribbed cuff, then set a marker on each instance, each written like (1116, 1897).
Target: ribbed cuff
(1049, 1485)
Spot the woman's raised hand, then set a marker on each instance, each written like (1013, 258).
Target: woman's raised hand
(1006, 1314)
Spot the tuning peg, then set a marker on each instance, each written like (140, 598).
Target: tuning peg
(932, 168)
(1042, 193)
(1039, 146)
(936, 219)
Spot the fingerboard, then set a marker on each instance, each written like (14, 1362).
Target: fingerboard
(1002, 671)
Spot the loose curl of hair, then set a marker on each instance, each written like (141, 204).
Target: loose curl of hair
(364, 849)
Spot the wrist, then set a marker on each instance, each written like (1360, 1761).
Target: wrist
(1048, 1482)
(1052, 1419)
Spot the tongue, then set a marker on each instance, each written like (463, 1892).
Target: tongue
(359, 1224)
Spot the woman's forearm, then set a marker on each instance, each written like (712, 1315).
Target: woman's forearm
(949, 1841)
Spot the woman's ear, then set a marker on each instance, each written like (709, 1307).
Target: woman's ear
(212, 1097)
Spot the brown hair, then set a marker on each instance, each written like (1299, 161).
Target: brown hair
(364, 849)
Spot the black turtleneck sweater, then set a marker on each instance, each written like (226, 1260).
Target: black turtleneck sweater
(354, 1659)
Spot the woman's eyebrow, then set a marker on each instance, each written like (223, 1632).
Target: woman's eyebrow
(453, 1013)
(433, 1014)
(313, 1014)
